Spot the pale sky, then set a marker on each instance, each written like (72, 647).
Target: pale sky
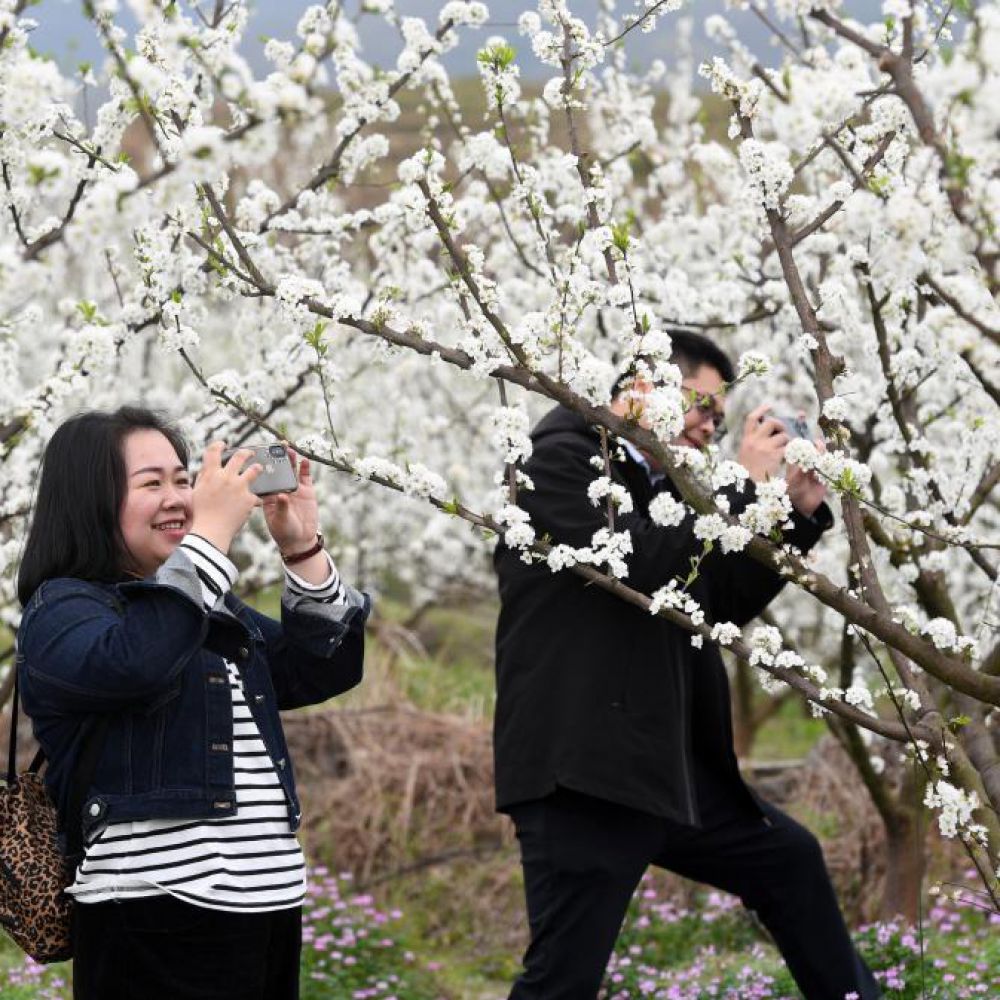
(64, 33)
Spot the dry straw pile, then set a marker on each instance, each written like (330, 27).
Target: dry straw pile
(387, 789)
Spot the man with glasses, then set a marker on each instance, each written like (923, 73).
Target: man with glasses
(612, 734)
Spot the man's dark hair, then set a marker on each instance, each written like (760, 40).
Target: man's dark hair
(75, 529)
(689, 351)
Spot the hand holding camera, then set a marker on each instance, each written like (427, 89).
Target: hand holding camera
(762, 447)
(762, 451)
(234, 481)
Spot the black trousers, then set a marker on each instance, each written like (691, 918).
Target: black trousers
(161, 948)
(583, 858)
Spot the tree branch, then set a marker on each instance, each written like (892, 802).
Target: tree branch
(959, 310)
(331, 169)
(883, 727)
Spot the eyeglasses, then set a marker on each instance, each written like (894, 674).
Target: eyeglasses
(707, 407)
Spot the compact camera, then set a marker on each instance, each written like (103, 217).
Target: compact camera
(278, 475)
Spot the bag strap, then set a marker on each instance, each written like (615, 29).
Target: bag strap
(36, 762)
(12, 736)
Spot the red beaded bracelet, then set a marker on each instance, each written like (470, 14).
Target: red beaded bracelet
(293, 559)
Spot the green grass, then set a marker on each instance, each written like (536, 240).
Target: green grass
(706, 948)
(455, 933)
(789, 735)
(457, 674)
(438, 685)
(447, 666)
(19, 981)
(467, 916)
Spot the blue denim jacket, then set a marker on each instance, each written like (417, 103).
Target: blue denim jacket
(146, 652)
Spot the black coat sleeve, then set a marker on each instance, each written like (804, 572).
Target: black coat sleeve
(740, 587)
(561, 471)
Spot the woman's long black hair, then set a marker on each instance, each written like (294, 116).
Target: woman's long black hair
(75, 529)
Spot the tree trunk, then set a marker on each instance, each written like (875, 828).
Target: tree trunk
(742, 705)
(751, 709)
(905, 855)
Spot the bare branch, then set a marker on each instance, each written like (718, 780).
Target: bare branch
(983, 491)
(956, 306)
(55, 234)
(94, 155)
(14, 214)
(861, 180)
(490, 186)
(582, 156)
(241, 251)
(847, 32)
(140, 99)
(637, 23)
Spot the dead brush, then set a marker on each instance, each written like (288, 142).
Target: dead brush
(388, 788)
(829, 797)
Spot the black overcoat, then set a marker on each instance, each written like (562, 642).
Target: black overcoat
(594, 694)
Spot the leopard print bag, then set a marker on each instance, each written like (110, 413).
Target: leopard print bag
(35, 909)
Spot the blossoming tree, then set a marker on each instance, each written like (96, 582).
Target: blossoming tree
(274, 263)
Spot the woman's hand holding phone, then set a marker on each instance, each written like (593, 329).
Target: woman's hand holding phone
(293, 518)
(222, 498)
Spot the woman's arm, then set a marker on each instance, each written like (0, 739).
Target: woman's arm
(317, 650)
(88, 651)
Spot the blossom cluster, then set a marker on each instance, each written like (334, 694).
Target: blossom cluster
(351, 256)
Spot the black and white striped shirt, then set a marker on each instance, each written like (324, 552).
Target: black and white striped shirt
(246, 862)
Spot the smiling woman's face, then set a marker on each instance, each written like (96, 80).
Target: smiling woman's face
(156, 512)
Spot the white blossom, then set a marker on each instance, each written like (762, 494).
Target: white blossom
(836, 408)
(725, 633)
(325, 296)
(509, 433)
(954, 806)
(941, 632)
(753, 363)
(768, 170)
(709, 527)
(667, 511)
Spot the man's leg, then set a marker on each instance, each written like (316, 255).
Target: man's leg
(582, 859)
(776, 867)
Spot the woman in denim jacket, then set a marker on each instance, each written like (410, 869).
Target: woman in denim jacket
(192, 876)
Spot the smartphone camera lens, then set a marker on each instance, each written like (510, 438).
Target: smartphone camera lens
(276, 451)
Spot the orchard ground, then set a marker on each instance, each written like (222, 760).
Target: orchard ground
(454, 930)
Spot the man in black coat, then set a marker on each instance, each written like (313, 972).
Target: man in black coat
(612, 735)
